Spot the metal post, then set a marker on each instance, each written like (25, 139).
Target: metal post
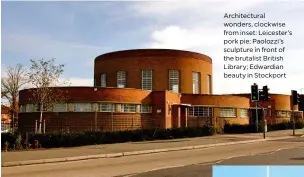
(293, 122)
(264, 125)
(43, 126)
(256, 117)
(112, 117)
(95, 119)
(36, 126)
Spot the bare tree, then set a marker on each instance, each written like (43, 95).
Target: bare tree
(10, 86)
(44, 76)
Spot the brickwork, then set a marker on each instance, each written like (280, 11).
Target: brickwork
(160, 61)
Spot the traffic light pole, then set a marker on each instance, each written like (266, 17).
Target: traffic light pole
(293, 122)
(256, 117)
(264, 129)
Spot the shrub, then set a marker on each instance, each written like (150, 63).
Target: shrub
(237, 128)
(57, 139)
(250, 128)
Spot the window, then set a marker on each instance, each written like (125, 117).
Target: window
(83, 107)
(60, 107)
(208, 84)
(298, 114)
(146, 109)
(228, 112)
(128, 108)
(196, 82)
(147, 79)
(174, 80)
(22, 108)
(199, 111)
(107, 107)
(283, 114)
(103, 80)
(244, 113)
(30, 108)
(121, 79)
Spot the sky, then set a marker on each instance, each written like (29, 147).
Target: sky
(257, 171)
(76, 32)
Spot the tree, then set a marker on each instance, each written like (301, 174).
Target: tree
(44, 76)
(10, 86)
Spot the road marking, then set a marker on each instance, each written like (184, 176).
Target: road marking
(278, 150)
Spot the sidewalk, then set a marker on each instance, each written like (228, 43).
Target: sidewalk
(132, 148)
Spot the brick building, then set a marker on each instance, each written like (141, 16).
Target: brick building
(148, 88)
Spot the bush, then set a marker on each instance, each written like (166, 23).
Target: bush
(238, 129)
(250, 128)
(54, 140)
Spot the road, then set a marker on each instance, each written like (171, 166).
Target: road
(178, 163)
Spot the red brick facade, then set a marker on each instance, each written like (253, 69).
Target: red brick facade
(169, 109)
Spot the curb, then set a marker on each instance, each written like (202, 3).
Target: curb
(121, 154)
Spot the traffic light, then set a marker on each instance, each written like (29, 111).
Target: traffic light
(265, 93)
(295, 97)
(254, 92)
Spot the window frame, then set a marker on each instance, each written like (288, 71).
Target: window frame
(123, 109)
(200, 111)
(247, 113)
(228, 116)
(121, 78)
(65, 109)
(145, 79)
(112, 109)
(85, 110)
(208, 84)
(149, 108)
(103, 82)
(197, 89)
(173, 80)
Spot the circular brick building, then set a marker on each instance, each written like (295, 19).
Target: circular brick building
(145, 88)
(156, 70)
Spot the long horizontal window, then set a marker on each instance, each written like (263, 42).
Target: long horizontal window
(107, 107)
(83, 107)
(30, 108)
(282, 114)
(228, 112)
(128, 107)
(60, 107)
(146, 109)
(200, 111)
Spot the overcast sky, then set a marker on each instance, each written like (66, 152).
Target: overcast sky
(76, 32)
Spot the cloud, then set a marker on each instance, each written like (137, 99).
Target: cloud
(207, 37)
(181, 38)
(160, 9)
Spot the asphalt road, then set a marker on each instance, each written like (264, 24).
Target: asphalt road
(179, 163)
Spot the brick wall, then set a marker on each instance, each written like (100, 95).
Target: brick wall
(160, 61)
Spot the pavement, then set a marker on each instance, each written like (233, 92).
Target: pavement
(185, 163)
(54, 155)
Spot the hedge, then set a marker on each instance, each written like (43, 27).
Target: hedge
(54, 140)
(250, 128)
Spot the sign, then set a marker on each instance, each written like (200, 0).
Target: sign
(159, 111)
